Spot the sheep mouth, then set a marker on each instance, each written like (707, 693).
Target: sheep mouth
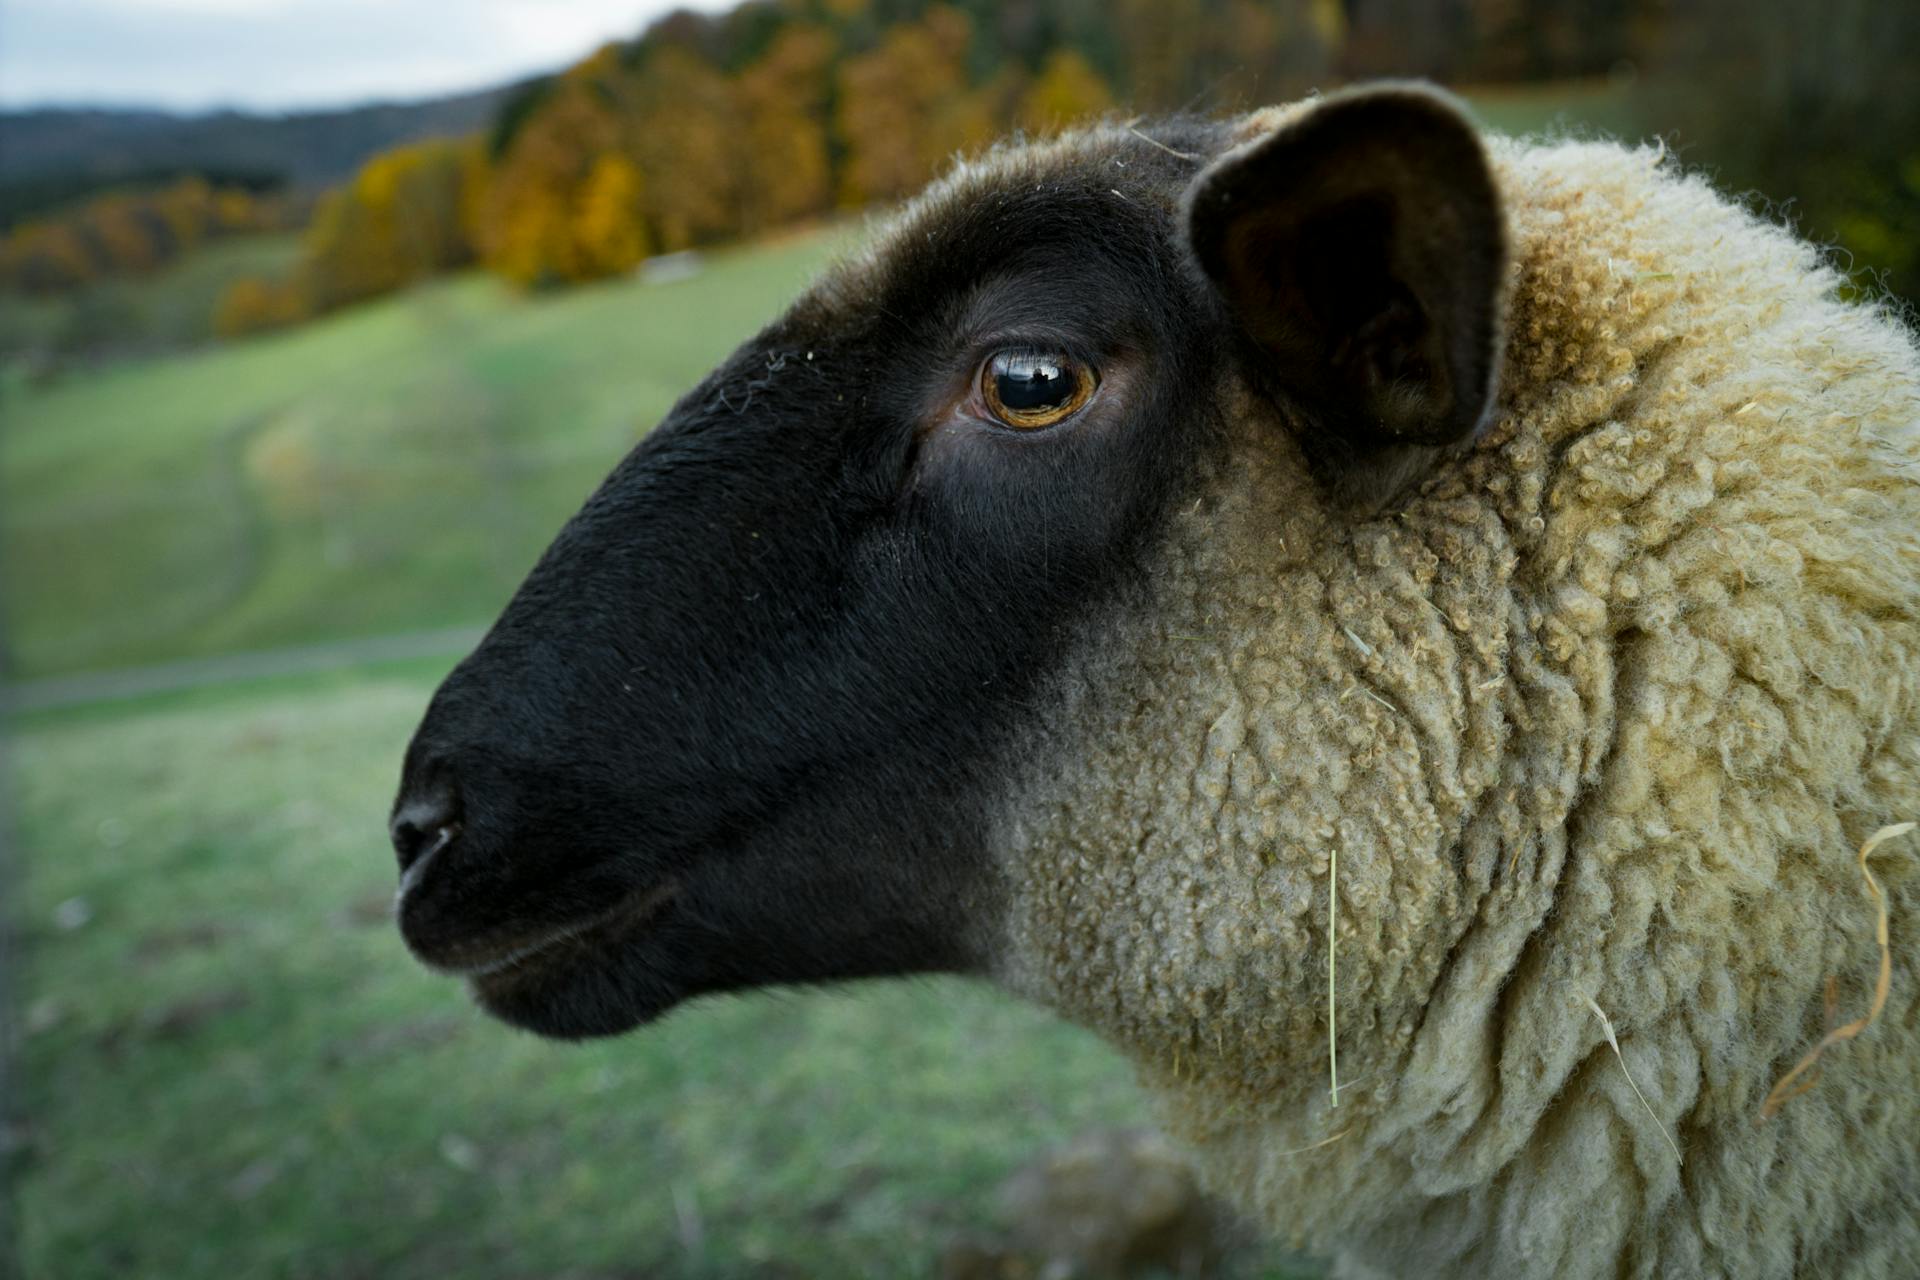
(509, 966)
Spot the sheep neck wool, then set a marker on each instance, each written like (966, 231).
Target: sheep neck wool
(1598, 717)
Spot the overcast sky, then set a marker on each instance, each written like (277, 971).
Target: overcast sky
(279, 54)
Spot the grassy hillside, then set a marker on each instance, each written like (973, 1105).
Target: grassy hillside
(171, 308)
(397, 466)
(231, 1067)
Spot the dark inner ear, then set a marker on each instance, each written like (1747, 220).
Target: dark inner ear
(1362, 248)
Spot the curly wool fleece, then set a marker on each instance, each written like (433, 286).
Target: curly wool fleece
(1602, 714)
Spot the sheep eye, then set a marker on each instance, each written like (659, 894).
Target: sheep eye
(1028, 390)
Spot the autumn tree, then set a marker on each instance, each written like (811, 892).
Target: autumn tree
(1276, 52)
(686, 132)
(568, 199)
(907, 106)
(527, 220)
(129, 232)
(130, 236)
(783, 108)
(47, 257)
(1164, 42)
(609, 233)
(252, 305)
(188, 210)
(403, 217)
(1067, 90)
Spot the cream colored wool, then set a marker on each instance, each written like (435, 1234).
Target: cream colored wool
(1603, 713)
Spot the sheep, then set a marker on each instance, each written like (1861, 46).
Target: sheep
(1403, 633)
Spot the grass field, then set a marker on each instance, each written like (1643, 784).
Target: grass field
(396, 466)
(233, 1069)
(170, 309)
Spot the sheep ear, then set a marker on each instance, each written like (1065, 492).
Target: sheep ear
(1362, 247)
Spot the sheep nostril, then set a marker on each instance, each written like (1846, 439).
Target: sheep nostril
(422, 827)
(412, 842)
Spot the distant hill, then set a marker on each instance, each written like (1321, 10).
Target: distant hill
(51, 156)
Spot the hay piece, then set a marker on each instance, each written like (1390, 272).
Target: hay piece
(1315, 1146)
(1606, 1026)
(1784, 1090)
(1379, 699)
(1178, 155)
(1333, 1049)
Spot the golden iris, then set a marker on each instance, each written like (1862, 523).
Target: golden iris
(1028, 390)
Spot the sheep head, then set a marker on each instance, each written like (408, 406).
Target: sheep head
(889, 648)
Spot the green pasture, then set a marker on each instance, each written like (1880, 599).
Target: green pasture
(232, 1068)
(170, 309)
(397, 466)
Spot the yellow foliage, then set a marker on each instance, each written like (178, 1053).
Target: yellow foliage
(125, 233)
(405, 216)
(906, 107)
(187, 209)
(1066, 91)
(235, 210)
(527, 218)
(253, 305)
(686, 134)
(133, 236)
(1329, 21)
(530, 241)
(783, 98)
(607, 228)
(46, 257)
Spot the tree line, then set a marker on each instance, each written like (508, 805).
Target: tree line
(131, 232)
(409, 214)
(709, 128)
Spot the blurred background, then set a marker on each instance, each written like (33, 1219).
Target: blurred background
(316, 320)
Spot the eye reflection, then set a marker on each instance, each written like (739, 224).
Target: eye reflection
(1028, 390)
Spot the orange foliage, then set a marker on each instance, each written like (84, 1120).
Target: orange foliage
(906, 107)
(783, 99)
(528, 221)
(700, 132)
(686, 133)
(127, 233)
(617, 162)
(608, 230)
(47, 257)
(1066, 91)
(133, 235)
(404, 217)
(251, 305)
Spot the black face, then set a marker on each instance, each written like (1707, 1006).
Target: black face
(743, 722)
(747, 720)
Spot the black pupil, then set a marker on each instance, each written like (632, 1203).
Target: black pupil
(1029, 383)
